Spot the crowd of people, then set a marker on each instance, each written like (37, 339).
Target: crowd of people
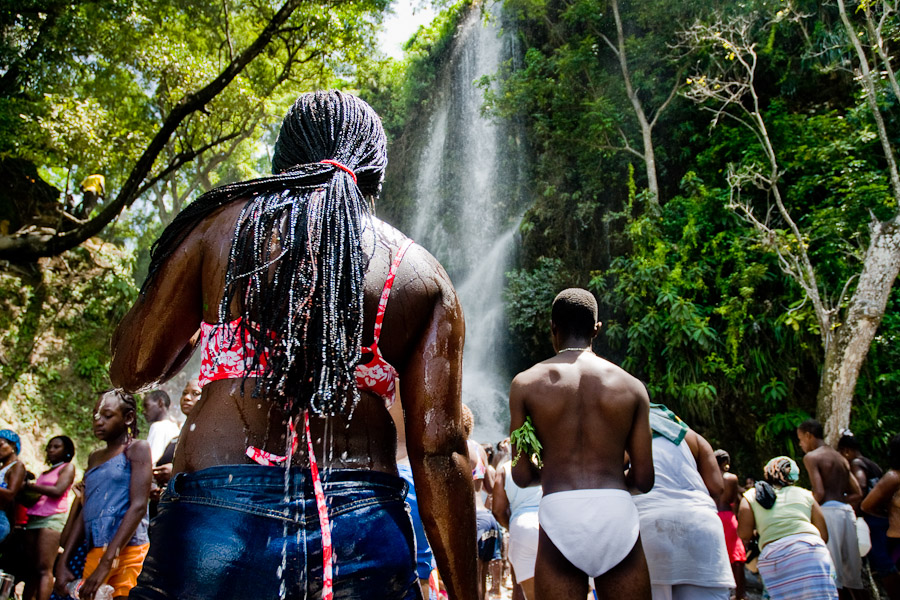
(326, 450)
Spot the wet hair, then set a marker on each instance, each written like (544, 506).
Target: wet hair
(468, 421)
(574, 312)
(848, 441)
(160, 396)
(722, 457)
(894, 453)
(813, 427)
(68, 446)
(296, 268)
(127, 404)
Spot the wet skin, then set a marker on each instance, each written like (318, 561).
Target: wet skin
(829, 473)
(422, 338)
(884, 501)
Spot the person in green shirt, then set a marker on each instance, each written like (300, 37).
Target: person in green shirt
(795, 563)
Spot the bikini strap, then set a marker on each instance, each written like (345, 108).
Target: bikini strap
(386, 292)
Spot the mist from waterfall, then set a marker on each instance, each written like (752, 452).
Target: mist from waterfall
(467, 210)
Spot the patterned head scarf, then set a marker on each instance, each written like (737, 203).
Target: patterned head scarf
(781, 471)
(12, 437)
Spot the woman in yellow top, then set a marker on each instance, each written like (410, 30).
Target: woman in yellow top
(795, 563)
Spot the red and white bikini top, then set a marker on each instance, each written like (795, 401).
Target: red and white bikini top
(223, 354)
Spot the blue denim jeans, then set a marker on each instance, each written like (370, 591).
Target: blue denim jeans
(231, 532)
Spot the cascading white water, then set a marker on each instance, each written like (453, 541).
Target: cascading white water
(467, 211)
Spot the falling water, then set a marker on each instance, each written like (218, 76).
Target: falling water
(467, 192)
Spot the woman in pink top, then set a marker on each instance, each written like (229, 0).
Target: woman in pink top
(47, 517)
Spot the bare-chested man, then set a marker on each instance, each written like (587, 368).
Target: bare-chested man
(837, 491)
(725, 504)
(587, 413)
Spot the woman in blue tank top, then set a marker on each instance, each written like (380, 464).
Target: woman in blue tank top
(114, 519)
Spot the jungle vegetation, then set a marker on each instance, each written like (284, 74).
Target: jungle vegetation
(719, 174)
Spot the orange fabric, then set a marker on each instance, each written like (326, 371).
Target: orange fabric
(125, 570)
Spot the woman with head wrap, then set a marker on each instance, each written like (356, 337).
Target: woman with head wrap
(312, 316)
(12, 477)
(795, 563)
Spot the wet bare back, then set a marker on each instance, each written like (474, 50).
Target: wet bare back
(586, 413)
(829, 475)
(422, 338)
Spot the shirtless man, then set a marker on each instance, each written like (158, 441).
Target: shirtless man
(587, 413)
(867, 474)
(725, 504)
(837, 491)
(884, 499)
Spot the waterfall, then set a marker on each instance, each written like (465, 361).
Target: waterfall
(468, 204)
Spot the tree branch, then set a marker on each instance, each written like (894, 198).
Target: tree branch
(31, 247)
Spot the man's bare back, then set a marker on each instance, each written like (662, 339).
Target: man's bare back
(829, 473)
(586, 412)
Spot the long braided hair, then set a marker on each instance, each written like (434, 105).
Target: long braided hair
(296, 267)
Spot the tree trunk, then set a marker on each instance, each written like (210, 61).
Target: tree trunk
(853, 337)
(646, 125)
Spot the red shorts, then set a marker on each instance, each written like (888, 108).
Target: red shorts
(734, 545)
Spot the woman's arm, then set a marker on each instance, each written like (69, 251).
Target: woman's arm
(71, 538)
(706, 464)
(500, 501)
(66, 477)
(746, 520)
(15, 479)
(818, 519)
(158, 335)
(431, 385)
(524, 472)
(878, 501)
(138, 455)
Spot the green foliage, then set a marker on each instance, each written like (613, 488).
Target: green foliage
(694, 302)
(524, 440)
(528, 297)
(89, 91)
(56, 322)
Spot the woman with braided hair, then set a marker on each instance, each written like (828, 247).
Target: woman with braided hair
(795, 563)
(312, 317)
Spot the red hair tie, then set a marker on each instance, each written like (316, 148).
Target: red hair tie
(341, 167)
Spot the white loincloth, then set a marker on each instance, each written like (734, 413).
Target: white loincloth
(594, 529)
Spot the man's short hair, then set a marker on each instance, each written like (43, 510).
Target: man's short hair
(722, 457)
(574, 312)
(160, 396)
(813, 427)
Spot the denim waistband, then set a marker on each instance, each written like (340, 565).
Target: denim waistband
(273, 492)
